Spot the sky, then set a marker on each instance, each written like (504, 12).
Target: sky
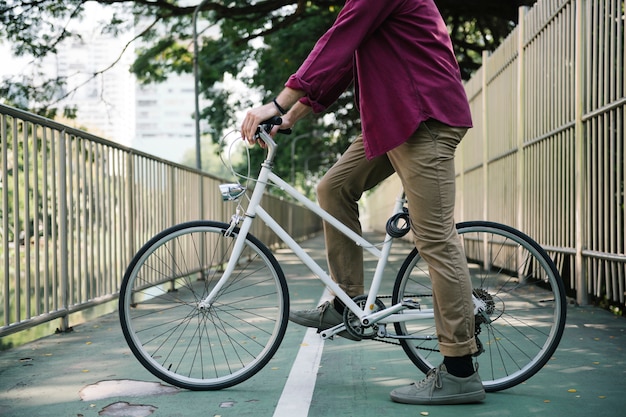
(10, 65)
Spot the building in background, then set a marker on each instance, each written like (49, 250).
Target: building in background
(105, 99)
(164, 124)
(156, 118)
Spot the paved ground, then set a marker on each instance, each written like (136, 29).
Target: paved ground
(91, 372)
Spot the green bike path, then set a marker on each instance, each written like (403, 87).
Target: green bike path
(91, 372)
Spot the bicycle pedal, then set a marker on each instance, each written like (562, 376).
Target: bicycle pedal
(411, 305)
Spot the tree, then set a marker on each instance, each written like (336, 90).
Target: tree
(261, 43)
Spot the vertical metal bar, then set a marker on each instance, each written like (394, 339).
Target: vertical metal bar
(140, 198)
(71, 218)
(5, 221)
(604, 240)
(63, 227)
(100, 219)
(27, 126)
(36, 221)
(581, 282)
(130, 206)
(614, 183)
(106, 225)
(16, 222)
(109, 230)
(619, 120)
(172, 198)
(520, 116)
(116, 210)
(485, 138)
(80, 229)
(91, 242)
(55, 138)
(47, 233)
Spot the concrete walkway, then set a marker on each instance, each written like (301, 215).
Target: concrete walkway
(91, 372)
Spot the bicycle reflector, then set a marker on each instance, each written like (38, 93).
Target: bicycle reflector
(399, 224)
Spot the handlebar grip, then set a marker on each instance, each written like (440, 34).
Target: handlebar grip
(275, 121)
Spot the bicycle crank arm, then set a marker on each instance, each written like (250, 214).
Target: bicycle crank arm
(384, 315)
(329, 333)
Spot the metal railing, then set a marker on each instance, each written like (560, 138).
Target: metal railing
(546, 154)
(75, 209)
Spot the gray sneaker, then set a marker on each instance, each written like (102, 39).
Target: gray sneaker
(323, 317)
(439, 387)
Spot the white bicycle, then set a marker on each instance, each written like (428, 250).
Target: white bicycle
(204, 305)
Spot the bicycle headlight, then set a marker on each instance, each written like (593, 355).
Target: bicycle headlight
(232, 192)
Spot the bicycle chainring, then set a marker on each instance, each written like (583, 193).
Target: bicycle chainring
(353, 324)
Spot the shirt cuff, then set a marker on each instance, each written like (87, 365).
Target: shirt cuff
(297, 83)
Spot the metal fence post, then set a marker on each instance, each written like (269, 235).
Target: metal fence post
(521, 126)
(130, 206)
(63, 232)
(581, 279)
(485, 138)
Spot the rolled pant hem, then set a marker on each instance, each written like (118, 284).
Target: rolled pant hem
(458, 349)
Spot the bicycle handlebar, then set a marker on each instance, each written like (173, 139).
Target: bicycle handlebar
(263, 133)
(269, 124)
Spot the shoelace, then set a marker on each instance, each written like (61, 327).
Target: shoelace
(322, 309)
(319, 310)
(428, 381)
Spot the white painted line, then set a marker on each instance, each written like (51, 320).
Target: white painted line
(298, 392)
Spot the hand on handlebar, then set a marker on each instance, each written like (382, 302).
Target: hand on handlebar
(258, 116)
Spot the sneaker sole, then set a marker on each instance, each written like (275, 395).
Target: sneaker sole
(310, 323)
(468, 398)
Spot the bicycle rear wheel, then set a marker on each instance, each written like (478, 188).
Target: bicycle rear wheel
(524, 300)
(210, 348)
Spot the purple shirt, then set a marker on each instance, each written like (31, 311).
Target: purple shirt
(399, 54)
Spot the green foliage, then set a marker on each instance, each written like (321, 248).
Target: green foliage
(259, 43)
(155, 63)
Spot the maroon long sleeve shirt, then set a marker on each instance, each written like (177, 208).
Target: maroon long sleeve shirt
(400, 57)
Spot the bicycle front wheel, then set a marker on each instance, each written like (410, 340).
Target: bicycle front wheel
(204, 348)
(523, 299)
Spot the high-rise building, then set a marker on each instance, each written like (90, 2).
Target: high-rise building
(156, 118)
(164, 113)
(104, 97)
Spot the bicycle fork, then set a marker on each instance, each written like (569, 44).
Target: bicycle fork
(240, 240)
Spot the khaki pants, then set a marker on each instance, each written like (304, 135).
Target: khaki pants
(425, 165)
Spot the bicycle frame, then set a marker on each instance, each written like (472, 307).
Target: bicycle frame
(367, 315)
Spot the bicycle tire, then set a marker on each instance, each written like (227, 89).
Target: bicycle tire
(194, 348)
(525, 300)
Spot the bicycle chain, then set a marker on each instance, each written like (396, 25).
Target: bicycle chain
(477, 331)
(397, 343)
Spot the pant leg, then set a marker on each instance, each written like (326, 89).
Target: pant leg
(338, 193)
(425, 164)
